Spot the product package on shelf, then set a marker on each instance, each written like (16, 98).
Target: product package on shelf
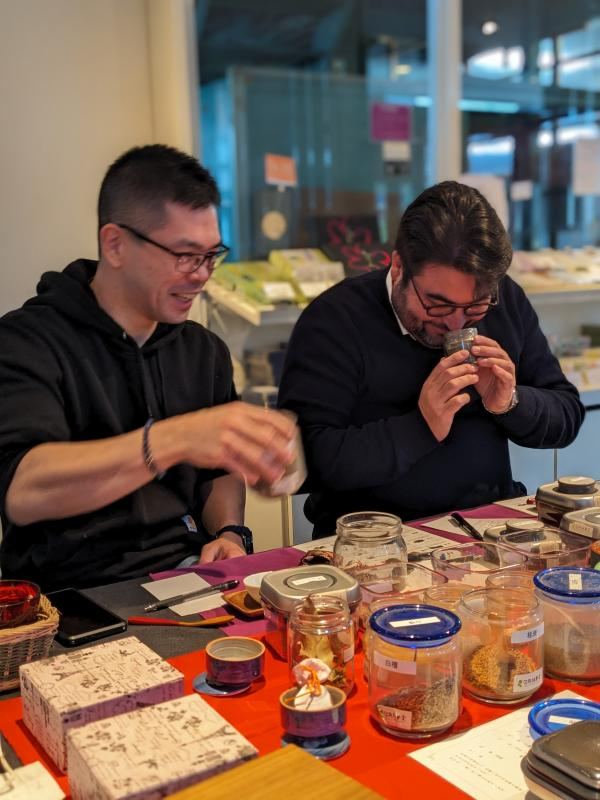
(74, 689)
(311, 271)
(153, 752)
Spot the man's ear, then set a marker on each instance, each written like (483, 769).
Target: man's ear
(111, 242)
(396, 268)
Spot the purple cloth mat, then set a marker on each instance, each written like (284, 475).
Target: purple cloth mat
(219, 571)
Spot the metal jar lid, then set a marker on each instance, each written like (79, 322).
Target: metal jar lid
(516, 525)
(284, 588)
(585, 521)
(414, 624)
(573, 498)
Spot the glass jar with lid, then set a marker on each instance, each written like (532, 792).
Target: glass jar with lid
(446, 595)
(320, 627)
(570, 597)
(368, 539)
(415, 682)
(503, 644)
(569, 493)
(549, 547)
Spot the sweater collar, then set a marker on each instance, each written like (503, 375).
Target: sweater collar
(388, 284)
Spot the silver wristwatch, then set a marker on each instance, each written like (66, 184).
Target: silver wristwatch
(514, 401)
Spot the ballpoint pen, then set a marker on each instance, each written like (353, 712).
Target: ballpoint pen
(181, 598)
(466, 526)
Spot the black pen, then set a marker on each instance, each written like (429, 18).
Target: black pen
(182, 598)
(466, 526)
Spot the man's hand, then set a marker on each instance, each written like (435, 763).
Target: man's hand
(228, 545)
(253, 442)
(442, 393)
(497, 374)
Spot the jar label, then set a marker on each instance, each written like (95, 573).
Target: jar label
(314, 579)
(563, 720)
(575, 584)
(406, 623)
(395, 664)
(581, 527)
(528, 681)
(528, 635)
(395, 717)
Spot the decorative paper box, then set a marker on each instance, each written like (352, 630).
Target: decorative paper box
(153, 752)
(70, 690)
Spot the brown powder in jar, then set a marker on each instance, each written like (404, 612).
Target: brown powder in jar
(494, 667)
(574, 652)
(431, 707)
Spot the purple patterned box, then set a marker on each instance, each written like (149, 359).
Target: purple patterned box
(153, 752)
(73, 689)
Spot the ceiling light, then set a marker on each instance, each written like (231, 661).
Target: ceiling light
(489, 27)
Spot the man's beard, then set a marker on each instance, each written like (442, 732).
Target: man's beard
(412, 323)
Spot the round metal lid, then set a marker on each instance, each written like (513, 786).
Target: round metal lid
(548, 716)
(569, 582)
(514, 525)
(414, 624)
(576, 484)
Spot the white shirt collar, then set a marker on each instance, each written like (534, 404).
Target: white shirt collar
(388, 283)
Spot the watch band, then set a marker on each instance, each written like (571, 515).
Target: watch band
(243, 532)
(514, 401)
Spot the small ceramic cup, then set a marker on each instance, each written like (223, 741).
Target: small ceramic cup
(234, 660)
(253, 582)
(312, 724)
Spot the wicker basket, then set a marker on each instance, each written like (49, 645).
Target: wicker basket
(26, 643)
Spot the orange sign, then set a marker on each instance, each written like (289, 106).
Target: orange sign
(280, 170)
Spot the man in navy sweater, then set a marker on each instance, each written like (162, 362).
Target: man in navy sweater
(388, 422)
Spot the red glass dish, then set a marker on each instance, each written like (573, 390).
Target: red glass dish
(19, 602)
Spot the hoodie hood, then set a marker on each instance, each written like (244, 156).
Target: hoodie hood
(69, 293)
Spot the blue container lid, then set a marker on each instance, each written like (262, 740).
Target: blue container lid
(548, 716)
(558, 582)
(414, 624)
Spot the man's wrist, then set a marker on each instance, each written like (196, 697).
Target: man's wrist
(514, 401)
(244, 533)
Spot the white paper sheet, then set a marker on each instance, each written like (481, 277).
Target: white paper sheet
(485, 762)
(182, 584)
(480, 524)
(524, 504)
(25, 783)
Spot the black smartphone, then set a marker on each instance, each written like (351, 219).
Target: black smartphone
(82, 620)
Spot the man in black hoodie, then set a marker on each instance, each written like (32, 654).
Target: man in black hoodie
(122, 447)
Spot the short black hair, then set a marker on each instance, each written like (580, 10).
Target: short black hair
(139, 184)
(454, 225)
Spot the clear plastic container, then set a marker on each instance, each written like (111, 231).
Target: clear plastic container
(511, 579)
(549, 547)
(368, 539)
(446, 595)
(321, 627)
(472, 562)
(570, 597)
(414, 690)
(503, 644)
(461, 339)
(393, 582)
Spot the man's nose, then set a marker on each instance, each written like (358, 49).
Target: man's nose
(456, 319)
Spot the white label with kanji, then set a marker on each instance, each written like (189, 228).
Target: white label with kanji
(528, 681)
(395, 717)
(395, 664)
(529, 635)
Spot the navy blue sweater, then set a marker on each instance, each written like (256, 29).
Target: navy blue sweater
(354, 380)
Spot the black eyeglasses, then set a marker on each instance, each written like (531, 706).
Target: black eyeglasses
(184, 262)
(476, 309)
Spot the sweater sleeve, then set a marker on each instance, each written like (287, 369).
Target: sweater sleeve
(322, 382)
(31, 403)
(549, 413)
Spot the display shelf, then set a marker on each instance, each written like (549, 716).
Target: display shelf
(280, 314)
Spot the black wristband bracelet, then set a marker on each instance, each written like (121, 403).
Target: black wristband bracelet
(147, 450)
(243, 532)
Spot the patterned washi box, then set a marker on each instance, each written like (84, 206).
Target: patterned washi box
(73, 689)
(153, 752)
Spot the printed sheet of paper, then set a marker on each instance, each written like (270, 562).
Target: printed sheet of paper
(524, 504)
(485, 762)
(182, 584)
(416, 541)
(28, 782)
(480, 524)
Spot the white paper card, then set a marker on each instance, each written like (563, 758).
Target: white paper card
(447, 524)
(182, 584)
(586, 167)
(25, 783)
(525, 504)
(485, 761)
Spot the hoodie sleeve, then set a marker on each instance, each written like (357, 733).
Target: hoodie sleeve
(31, 402)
